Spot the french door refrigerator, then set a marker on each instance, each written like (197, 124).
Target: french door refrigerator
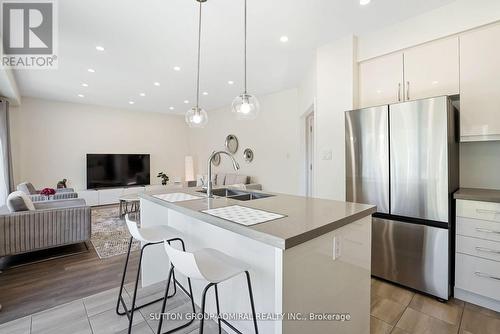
(404, 159)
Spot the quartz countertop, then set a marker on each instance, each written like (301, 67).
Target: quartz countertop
(305, 218)
(477, 194)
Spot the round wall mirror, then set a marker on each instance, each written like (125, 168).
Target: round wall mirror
(216, 160)
(248, 155)
(232, 144)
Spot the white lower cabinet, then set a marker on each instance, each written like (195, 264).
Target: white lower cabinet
(478, 275)
(91, 197)
(477, 258)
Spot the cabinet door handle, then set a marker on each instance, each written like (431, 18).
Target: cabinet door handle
(487, 250)
(483, 275)
(399, 92)
(488, 211)
(407, 90)
(485, 230)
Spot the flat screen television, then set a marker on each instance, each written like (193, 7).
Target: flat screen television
(117, 170)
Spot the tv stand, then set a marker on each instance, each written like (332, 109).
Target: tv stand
(107, 196)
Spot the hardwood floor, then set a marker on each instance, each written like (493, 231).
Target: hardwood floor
(35, 287)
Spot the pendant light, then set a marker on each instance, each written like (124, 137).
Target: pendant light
(245, 106)
(197, 117)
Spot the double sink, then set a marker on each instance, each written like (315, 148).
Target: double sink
(239, 195)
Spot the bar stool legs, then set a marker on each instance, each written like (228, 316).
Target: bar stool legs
(130, 312)
(189, 293)
(220, 320)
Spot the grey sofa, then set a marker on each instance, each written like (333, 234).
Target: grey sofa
(51, 224)
(34, 195)
(235, 180)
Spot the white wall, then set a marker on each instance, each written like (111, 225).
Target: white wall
(273, 136)
(335, 93)
(51, 140)
(480, 165)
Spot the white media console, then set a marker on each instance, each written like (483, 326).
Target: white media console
(95, 197)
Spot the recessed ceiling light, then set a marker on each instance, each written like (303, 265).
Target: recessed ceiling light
(284, 39)
(364, 2)
(131, 102)
(156, 83)
(99, 48)
(142, 94)
(85, 85)
(205, 93)
(81, 95)
(186, 101)
(230, 82)
(171, 108)
(177, 68)
(91, 70)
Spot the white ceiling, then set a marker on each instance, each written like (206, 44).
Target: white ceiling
(144, 40)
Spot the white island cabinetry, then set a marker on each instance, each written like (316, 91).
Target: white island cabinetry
(306, 264)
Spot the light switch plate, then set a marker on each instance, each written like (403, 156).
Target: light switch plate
(336, 247)
(326, 154)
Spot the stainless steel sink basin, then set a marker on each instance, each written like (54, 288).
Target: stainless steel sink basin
(238, 195)
(221, 192)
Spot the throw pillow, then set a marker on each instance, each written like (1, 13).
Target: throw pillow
(19, 201)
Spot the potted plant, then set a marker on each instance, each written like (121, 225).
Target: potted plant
(164, 178)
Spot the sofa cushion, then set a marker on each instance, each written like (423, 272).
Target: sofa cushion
(55, 204)
(19, 201)
(27, 188)
(236, 179)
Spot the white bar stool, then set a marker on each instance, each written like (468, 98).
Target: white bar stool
(149, 236)
(210, 265)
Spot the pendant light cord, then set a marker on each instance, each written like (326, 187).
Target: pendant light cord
(198, 73)
(245, 66)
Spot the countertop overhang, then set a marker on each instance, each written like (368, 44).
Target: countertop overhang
(306, 218)
(477, 194)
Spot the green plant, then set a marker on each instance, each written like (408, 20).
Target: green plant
(164, 178)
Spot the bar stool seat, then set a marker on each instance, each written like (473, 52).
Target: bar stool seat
(156, 234)
(216, 267)
(210, 265)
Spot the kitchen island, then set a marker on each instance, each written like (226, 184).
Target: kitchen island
(310, 267)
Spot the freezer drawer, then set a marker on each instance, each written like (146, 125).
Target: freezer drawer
(367, 157)
(411, 255)
(419, 159)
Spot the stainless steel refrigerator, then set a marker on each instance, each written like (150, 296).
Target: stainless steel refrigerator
(404, 159)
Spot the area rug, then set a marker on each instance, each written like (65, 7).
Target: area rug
(110, 236)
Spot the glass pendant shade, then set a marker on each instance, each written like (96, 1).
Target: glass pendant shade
(196, 117)
(246, 106)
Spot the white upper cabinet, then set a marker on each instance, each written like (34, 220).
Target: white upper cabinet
(381, 81)
(432, 69)
(480, 84)
(424, 71)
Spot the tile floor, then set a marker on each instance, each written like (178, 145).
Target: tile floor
(400, 311)
(96, 315)
(393, 310)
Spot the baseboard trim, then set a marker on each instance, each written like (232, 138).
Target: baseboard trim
(476, 299)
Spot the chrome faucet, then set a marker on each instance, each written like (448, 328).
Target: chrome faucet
(236, 166)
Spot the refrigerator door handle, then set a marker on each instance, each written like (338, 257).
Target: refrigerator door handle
(407, 90)
(399, 92)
